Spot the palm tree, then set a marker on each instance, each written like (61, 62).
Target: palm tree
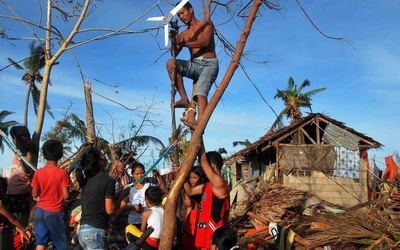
(245, 143)
(222, 151)
(294, 100)
(72, 127)
(32, 66)
(5, 125)
(66, 130)
(182, 146)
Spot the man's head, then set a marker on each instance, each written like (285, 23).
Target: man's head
(52, 150)
(215, 159)
(186, 14)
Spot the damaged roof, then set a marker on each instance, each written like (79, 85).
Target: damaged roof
(271, 137)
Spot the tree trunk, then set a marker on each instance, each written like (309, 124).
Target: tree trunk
(42, 104)
(90, 130)
(50, 60)
(170, 207)
(28, 93)
(175, 160)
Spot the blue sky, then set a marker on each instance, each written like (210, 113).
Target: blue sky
(362, 79)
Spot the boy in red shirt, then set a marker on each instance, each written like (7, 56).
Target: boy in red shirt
(50, 183)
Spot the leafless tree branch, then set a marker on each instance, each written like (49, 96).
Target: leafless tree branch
(340, 39)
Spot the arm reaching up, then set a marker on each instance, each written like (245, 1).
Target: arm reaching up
(211, 163)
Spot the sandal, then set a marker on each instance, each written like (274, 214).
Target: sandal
(189, 118)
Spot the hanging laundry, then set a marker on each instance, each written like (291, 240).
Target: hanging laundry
(396, 157)
(347, 164)
(391, 170)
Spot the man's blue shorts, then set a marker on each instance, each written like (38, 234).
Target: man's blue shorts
(203, 71)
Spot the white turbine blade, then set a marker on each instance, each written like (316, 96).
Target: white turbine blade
(178, 7)
(156, 18)
(166, 34)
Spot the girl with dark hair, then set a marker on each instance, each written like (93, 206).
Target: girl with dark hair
(133, 197)
(19, 181)
(224, 238)
(196, 177)
(97, 202)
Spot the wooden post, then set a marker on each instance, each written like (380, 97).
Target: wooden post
(90, 129)
(175, 160)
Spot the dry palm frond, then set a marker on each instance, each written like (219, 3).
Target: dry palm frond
(271, 201)
(278, 201)
(359, 228)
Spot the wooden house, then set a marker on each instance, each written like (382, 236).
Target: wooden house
(317, 154)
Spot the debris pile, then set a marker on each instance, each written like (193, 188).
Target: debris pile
(276, 217)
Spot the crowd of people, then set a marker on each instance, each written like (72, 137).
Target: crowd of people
(123, 191)
(205, 196)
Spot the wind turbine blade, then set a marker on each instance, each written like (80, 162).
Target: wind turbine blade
(156, 18)
(166, 34)
(178, 7)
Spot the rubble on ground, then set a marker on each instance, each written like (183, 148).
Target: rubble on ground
(277, 217)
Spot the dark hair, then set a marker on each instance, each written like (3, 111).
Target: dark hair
(224, 238)
(154, 195)
(197, 170)
(134, 165)
(213, 157)
(52, 150)
(23, 140)
(89, 166)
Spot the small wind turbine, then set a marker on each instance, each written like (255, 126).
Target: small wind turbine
(167, 18)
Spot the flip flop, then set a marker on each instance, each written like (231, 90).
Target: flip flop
(185, 119)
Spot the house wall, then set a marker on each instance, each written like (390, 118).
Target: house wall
(345, 192)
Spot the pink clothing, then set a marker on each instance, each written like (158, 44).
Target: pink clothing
(19, 182)
(50, 181)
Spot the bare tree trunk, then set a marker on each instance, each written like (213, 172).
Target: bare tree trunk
(175, 160)
(42, 105)
(50, 60)
(28, 93)
(90, 130)
(170, 207)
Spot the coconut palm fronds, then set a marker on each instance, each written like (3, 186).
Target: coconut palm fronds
(278, 201)
(361, 229)
(271, 201)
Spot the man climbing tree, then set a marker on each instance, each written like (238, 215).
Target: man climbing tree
(202, 66)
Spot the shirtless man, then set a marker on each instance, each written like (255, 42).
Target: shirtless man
(202, 66)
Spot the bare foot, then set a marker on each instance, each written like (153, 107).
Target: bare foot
(191, 124)
(189, 118)
(182, 104)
